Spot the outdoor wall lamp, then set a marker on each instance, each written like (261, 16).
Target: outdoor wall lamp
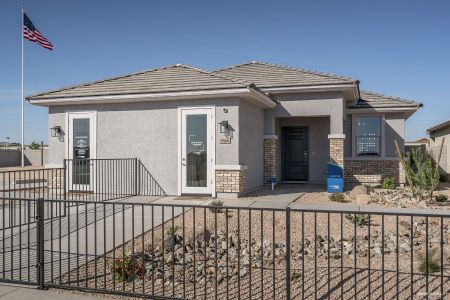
(224, 127)
(55, 131)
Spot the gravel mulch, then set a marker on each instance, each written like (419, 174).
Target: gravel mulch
(258, 270)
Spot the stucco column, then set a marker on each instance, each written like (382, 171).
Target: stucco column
(337, 148)
(270, 157)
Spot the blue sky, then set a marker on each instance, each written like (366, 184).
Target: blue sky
(399, 48)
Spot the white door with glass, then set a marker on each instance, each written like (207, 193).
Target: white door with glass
(196, 150)
(81, 149)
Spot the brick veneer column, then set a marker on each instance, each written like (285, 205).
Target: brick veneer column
(230, 181)
(337, 148)
(270, 157)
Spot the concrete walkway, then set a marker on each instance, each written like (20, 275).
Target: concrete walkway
(84, 233)
(283, 196)
(16, 292)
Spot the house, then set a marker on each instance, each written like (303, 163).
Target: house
(437, 134)
(422, 144)
(229, 131)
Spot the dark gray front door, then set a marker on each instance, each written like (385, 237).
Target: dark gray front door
(295, 153)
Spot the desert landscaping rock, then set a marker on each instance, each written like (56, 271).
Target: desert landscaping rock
(357, 191)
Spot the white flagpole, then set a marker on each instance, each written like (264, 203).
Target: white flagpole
(23, 147)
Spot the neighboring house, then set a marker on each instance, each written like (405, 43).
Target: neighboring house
(423, 144)
(437, 134)
(230, 131)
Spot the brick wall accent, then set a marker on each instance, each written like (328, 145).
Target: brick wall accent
(230, 181)
(337, 151)
(372, 171)
(270, 158)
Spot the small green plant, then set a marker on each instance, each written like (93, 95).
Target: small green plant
(432, 262)
(295, 276)
(369, 188)
(443, 177)
(337, 197)
(127, 269)
(388, 183)
(217, 205)
(358, 219)
(441, 198)
(171, 231)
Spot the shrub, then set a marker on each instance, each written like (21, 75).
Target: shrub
(423, 171)
(369, 188)
(443, 177)
(388, 183)
(295, 276)
(441, 198)
(217, 205)
(171, 231)
(432, 260)
(127, 269)
(337, 197)
(35, 146)
(359, 219)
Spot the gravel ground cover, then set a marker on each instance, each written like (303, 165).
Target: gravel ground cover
(243, 253)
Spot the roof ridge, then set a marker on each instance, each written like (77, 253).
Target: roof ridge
(289, 68)
(438, 126)
(387, 96)
(212, 74)
(69, 87)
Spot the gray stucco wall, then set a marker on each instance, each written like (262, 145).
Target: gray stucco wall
(13, 157)
(319, 148)
(395, 131)
(348, 136)
(148, 131)
(435, 144)
(251, 143)
(9, 158)
(307, 105)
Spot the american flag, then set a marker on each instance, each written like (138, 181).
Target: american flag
(32, 34)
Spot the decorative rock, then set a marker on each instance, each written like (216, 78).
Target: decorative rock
(358, 190)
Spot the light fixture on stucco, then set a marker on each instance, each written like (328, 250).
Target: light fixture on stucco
(55, 131)
(224, 127)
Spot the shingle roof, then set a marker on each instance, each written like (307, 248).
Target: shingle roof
(376, 100)
(266, 75)
(437, 127)
(174, 78)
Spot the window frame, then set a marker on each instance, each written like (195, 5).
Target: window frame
(355, 154)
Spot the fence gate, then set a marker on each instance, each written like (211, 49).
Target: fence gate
(20, 257)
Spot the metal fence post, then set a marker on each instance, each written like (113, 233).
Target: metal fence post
(40, 243)
(65, 178)
(288, 253)
(136, 177)
(42, 153)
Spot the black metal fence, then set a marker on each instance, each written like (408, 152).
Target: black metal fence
(82, 179)
(79, 179)
(210, 252)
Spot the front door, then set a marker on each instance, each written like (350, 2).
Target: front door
(81, 151)
(295, 153)
(196, 149)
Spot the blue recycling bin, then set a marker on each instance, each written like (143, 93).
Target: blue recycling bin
(335, 178)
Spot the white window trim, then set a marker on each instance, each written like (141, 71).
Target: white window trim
(382, 136)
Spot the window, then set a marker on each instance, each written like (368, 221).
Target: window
(368, 135)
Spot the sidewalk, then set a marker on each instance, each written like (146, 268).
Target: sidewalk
(18, 292)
